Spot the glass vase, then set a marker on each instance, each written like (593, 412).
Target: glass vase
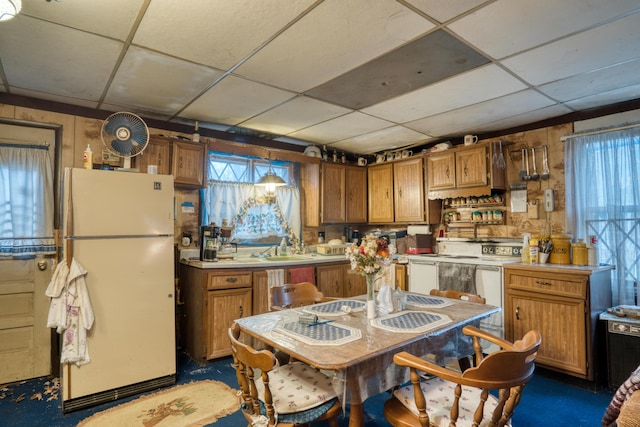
(371, 296)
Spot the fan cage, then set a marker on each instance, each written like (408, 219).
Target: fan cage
(125, 135)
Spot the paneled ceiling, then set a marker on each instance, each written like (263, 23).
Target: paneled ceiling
(356, 75)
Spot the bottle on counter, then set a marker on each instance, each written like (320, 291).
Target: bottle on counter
(87, 157)
(533, 251)
(283, 247)
(592, 250)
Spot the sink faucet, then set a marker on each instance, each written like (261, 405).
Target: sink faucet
(268, 249)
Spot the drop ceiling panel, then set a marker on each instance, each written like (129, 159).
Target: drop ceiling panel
(548, 20)
(294, 115)
(384, 139)
(594, 82)
(216, 33)
(429, 59)
(467, 119)
(606, 98)
(154, 82)
(54, 98)
(443, 11)
(525, 118)
(234, 100)
(335, 37)
(49, 58)
(112, 18)
(604, 46)
(474, 86)
(341, 127)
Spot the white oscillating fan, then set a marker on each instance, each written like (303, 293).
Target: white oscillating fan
(125, 135)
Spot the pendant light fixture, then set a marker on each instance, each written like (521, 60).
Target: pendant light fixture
(270, 181)
(9, 9)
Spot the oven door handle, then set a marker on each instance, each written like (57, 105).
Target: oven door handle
(421, 262)
(488, 267)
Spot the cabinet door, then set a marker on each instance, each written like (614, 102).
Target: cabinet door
(355, 283)
(333, 193)
(310, 183)
(331, 280)
(561, 323)
(401, 277)
(187, 163)
(380, 180)
(471, 167)
(223, 307)
(408, 190)
(441, 170)
(157, 153)
(356, 194)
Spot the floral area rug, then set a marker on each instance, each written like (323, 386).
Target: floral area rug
(195, 404)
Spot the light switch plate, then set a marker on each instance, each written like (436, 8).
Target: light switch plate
(549, 200)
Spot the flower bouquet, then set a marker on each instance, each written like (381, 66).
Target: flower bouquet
(368, 258)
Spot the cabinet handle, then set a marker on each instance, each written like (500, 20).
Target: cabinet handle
(241, 311)
(465, 170)
(447, 172)
(400, 193)
(540, 282)
(232, 279)
(180, 162)
(517, 313)
(159, 159)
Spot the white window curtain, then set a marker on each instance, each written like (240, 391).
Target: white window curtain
(603, 199)
(246, 202)
(26, 201)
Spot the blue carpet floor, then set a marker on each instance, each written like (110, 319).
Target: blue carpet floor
(546, 401)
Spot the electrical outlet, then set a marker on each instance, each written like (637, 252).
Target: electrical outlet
(549, 200)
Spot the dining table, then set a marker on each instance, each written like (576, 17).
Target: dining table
(337, 338)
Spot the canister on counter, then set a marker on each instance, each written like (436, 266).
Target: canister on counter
(561, 249)
(579, 253)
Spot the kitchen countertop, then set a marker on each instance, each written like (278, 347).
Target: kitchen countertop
(561, 268)
(251, 262)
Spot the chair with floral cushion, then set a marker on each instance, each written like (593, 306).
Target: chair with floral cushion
(451, 398)
(289, 395)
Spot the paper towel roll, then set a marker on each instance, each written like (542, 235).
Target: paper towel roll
(412, 230)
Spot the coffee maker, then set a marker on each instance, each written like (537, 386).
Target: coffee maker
(209, 244)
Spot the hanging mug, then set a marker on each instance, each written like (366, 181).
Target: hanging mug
(389, 156)
(470, 139)
(379, 158)
(362, 161)
(406, 153)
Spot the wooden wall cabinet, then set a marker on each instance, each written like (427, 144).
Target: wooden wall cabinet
(564, 305)
(344, 194)
(213, 299)
(397, 193)
(185, 160)
(463, 171)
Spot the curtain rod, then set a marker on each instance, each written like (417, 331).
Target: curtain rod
(598, 131)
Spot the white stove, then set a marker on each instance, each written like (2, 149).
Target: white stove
(488, 255)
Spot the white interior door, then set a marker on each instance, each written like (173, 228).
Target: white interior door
(25, 340)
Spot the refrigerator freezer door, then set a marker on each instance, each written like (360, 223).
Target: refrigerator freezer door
(112, 203)
(131, 288)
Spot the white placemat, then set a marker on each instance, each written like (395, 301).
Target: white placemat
(334, 308)
(320, 334)
(411, 321)
(426, 301)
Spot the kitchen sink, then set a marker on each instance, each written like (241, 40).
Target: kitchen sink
(285, 258)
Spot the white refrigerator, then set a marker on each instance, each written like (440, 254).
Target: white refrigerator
(119, 227)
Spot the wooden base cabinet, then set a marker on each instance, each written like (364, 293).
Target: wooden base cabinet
(213, 299)
(564, 305)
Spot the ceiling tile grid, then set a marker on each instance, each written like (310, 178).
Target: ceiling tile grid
(358, 75)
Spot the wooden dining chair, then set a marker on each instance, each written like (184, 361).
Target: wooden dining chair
(451, 398)
(295, 295)
(464, 362)
(464, 296)
(290, 395)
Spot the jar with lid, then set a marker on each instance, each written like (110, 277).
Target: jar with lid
(561, 247)
(579, 253)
